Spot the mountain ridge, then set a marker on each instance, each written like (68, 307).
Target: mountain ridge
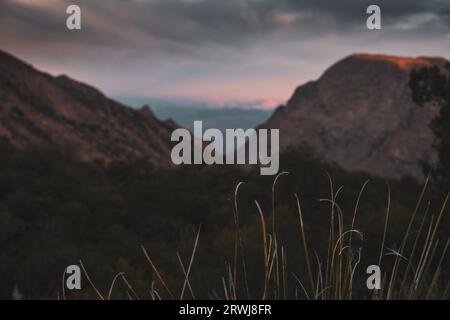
(38, 109)
(360, 115)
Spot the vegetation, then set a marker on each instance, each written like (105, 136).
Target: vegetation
(194, 232)
(432, 85)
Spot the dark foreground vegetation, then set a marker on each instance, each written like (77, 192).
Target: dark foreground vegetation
(55, 211)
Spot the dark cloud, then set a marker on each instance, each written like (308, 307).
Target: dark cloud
(190, 43)
(178, 24)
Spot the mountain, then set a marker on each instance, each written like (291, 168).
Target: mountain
(236, 115)
(39, 110)
(360, 115)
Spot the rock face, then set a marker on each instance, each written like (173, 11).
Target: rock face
(360, 116)
(37, 109)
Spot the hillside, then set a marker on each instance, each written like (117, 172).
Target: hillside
(360, 115)
(39, 110)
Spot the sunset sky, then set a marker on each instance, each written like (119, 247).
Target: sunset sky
(214, 50)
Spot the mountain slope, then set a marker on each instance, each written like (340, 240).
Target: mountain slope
(360, 115)
(37, 109)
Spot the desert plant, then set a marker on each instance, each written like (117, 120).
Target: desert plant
(415, 269)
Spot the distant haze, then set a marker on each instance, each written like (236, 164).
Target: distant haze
(235, 115)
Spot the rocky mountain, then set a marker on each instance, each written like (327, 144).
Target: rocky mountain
(360, 115)
(37, 109)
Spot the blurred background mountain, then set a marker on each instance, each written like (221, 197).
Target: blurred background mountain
(228, 116)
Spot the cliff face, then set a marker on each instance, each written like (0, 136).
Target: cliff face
(360, 115)
(37, 109)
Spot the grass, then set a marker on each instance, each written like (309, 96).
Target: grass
(411, 270)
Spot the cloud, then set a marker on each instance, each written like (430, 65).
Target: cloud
(182, 26)
(187, 44)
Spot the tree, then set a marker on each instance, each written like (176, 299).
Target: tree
(432, 84)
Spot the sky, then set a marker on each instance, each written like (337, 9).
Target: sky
(218, 51)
